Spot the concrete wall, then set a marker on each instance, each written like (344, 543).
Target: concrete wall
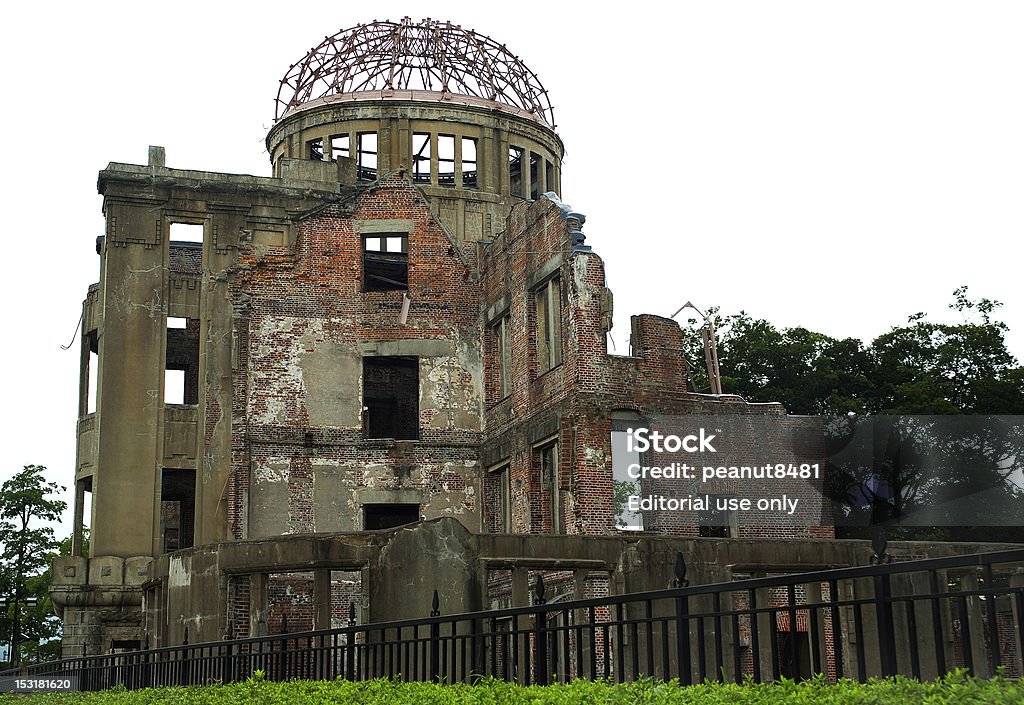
(401, 568)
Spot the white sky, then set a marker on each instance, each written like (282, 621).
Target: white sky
(836, 165)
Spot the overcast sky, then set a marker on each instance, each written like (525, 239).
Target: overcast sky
(836, 165)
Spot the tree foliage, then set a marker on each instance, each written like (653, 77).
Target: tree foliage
(923, 467)
(921, 367)
(28, 509)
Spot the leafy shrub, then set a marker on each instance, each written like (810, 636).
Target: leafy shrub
(954, 689)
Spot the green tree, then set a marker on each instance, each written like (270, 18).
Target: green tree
(28, 507)
(929, 468)
(918, 368)
(935, 368)
(807, 372)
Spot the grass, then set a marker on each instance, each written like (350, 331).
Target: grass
(954, 689)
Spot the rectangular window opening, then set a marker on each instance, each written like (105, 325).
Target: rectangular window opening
(315, 149)
(624, 486)
(181, 377)
(121, 646)
(546, 458)
(391, 397)
(388, 516)
(549, 324)
(718, 520)
(346, 596)
(421, 157)
(503, 356)
(86, 503)
(549, 174)
(93, 372)
(177, 508)
(469, 163)
(446, 160)
(534, 176)
(386, 262)
(186, 233)
(174, 386)
(496, 501)
(340, 146)
(366, 162)
(515, 171)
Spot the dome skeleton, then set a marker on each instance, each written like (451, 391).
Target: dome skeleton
(425, 56)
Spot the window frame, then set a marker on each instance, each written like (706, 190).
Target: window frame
(548, 319)
(413, 431)
(502, 471)
(501, 329)
(550, 481)
(385, 257)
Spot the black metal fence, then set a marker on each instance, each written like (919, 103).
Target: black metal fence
(919, 618)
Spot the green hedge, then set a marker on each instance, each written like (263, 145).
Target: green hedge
(955, 689)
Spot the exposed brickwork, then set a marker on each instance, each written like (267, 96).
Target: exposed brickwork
(297, 306)
(572, 403)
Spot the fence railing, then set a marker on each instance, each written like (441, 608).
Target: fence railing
(919, 618)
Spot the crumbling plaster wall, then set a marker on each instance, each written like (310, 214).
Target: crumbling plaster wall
(305, 325)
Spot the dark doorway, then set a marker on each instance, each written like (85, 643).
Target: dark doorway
(794, 655)
(177, 508)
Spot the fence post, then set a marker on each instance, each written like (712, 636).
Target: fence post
(435, 639)
(146, 675)
(184, 672)
(541, 633)
(683, 622)
(883, 607)
(350, 644)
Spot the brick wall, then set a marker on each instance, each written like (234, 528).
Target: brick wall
(303, 325)
(573, 402)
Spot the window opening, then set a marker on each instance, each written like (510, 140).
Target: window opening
(174, 386)
(549, 173)
(366, 164)
(386, 262)
(546, 458)
(800, 668)
(469, 162)
(315, 149)
(549, 324)
(496, 501)
(82, 517)
(289, 603)
(718, 520)
(446, 160)
(391, 397)
(181, 368)
(624, 486)
(387, 516)
(340, 146)
(93, 373)
(346, 597)
(120, 646)
(184, 233)
(515, 171)
(177, 508)
(421, 157)
(534, 176)
(503, 356)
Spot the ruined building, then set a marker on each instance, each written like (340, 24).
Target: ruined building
(402, 324)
